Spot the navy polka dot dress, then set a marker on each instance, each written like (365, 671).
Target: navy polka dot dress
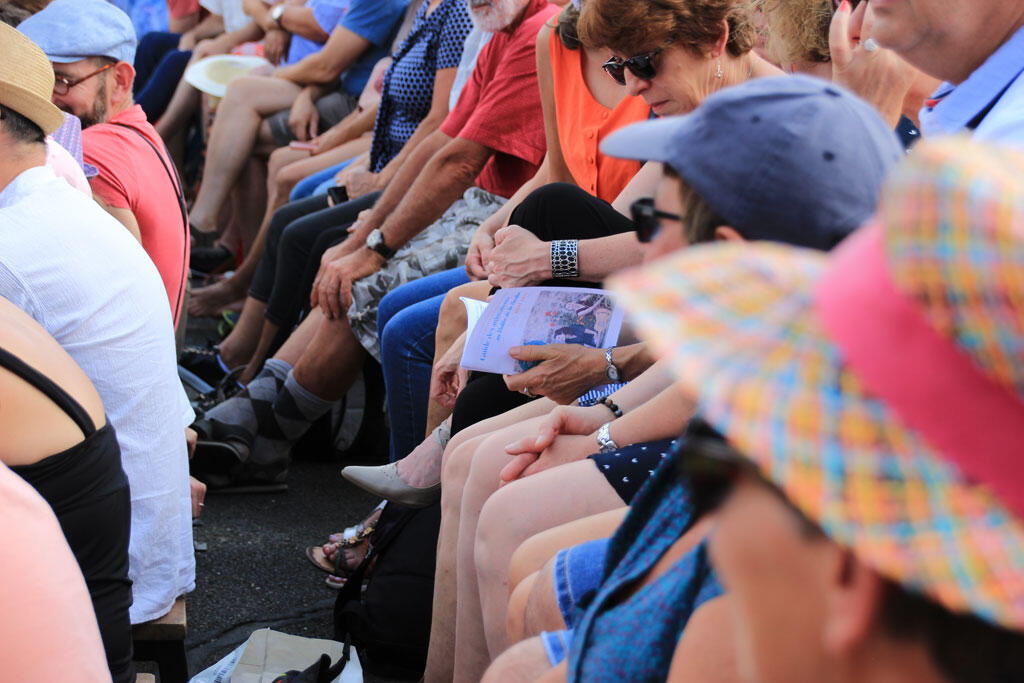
(435, 42)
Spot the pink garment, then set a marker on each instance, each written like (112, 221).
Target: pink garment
(132, 176)
(48, 630)
(64, 165)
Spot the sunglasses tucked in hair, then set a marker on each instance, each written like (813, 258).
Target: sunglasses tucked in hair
(641, 65)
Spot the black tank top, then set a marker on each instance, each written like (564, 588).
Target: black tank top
(86, 471)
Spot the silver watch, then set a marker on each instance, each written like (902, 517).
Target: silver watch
(276, 12)
(610, 371)
(604, 439)
(375, 241)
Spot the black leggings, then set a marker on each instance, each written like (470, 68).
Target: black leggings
(553, 212)
(294, 230)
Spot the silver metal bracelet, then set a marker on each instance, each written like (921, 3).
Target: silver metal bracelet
(565, 259)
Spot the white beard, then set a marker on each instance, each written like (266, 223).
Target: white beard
(496, 15)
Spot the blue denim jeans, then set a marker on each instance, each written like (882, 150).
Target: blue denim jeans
(407, 318)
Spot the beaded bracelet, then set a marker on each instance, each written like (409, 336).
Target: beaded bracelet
(611, 405)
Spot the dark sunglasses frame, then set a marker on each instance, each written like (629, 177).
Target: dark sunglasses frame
(62, 84)
(641, 65)
(645, 218)
(712, 466)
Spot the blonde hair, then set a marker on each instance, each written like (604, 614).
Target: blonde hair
(797, 30)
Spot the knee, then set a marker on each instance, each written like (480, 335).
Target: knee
(493, 530)
(515, 617)
(454, 471)
(534, 211)
(523, 662)
(278, 161)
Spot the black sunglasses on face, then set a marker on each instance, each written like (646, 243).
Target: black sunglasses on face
(642, 67)
(645, 218)
(712, 467)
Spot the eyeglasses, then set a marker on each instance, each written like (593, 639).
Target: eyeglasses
(645, 218)
(642, 66)
(62, 84)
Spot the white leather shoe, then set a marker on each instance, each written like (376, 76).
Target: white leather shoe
(383, 480)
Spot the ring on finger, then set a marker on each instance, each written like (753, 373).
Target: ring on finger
(870, 45)
(525, 391)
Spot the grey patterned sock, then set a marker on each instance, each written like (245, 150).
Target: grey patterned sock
(280, 426)
(242, 409)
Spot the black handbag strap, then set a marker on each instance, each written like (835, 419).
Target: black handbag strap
(172, 173)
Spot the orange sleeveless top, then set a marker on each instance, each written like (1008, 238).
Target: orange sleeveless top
(583, 122)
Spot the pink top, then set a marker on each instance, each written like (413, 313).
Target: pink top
(64, 166)
(131, 176)
(48, 629)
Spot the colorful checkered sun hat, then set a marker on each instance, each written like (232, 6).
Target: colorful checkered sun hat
(881, 388)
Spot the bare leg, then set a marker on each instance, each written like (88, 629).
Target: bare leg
(515, 622)
(267, 332)
(454, 472)
(524, 663)
(234, 138)
(248, 198)
(332, 362)
(299, 340)
(441, 652)
(518, 511)
(180, 110)
(237, 348)
(471, 653)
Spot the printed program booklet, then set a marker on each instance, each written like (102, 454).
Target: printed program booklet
(536, 315)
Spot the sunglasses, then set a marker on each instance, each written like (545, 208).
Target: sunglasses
(62, 84)
(642, 67)
(645, 218)
(712, 467)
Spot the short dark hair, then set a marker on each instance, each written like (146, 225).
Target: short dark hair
(19, 127)
(963, 647)
(700, 220)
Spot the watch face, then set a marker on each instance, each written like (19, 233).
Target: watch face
(612, 372)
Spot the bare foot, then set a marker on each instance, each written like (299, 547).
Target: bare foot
(212, 299)
(422, 467)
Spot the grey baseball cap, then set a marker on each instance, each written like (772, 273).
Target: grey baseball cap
(789, 159)
(72, 30)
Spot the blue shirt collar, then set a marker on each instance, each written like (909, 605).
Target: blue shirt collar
(959, 105)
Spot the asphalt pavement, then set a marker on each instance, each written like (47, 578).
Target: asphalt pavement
(251, 569)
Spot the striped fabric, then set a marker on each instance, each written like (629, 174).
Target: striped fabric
(738, 323)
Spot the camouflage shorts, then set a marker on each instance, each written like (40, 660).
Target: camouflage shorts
(442, 246)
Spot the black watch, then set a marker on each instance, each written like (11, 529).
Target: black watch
(375, 241)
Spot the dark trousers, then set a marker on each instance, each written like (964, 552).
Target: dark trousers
(159, 66)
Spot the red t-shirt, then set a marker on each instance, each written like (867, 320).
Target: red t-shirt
(132, 177)
(500, 104)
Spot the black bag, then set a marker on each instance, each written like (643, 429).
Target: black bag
(389, 621)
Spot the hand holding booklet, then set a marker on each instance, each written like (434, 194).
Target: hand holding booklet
(536, 315)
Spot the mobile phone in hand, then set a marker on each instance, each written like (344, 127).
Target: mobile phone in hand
(337, 195)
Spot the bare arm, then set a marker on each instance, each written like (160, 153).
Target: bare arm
(125, 216)
(339, 52)
(297, 19)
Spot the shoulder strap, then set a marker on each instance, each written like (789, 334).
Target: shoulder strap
(172, 173)
(61, 398)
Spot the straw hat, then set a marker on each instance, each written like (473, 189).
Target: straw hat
(881, 388)
(26, 80)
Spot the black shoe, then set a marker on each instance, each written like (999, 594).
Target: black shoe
(204, 362)
(213, 259)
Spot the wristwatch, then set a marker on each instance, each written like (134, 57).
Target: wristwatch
(276, 12)
(611, 372)
(375, 241)
(604, 439)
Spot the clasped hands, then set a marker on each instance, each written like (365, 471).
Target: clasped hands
(508, 257)
(567, 434)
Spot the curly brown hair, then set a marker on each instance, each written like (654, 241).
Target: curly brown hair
(635, 26)
(797, 30)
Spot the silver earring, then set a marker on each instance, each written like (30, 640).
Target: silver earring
(718, 72)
